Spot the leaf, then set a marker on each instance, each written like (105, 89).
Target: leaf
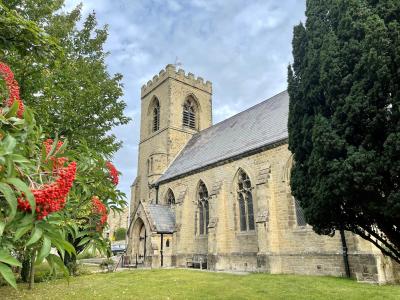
(8, 275)
(5, 257)
(36, 235)
(67, 246)
(20, 185)
(44, 251)
(10, 198)
(84, 241)
(21, 231)
(53, 148)
(18, 158)
(63, 146)
(9, 144)
(13, 110)
(2, 226)
(58, 261)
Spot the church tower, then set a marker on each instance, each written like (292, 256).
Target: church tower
(174, 106)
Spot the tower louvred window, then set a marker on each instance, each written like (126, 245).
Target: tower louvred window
(156, 116)
(189, 114)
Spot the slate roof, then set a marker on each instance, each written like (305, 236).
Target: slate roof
(256, 127)
(162, 217)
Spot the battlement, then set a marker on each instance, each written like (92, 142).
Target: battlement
(171, 72)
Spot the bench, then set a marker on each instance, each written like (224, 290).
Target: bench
(197, 261)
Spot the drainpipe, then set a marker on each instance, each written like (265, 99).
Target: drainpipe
(161, 250)
(157, 186)
(345, 255)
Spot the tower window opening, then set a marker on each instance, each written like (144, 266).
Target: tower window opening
(156, 116)
(189, 114)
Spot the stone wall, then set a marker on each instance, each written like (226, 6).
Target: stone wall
(117, 220)
(278, 244)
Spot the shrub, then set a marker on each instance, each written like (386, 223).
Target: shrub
(120, 234)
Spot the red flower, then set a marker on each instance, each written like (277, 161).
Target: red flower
(113, 172)
(51, 197)
(13, 89)
(100, 210)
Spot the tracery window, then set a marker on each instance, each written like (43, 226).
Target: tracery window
(300, 218)
(245, 199)
(189, 113)
(203, 209)
(170, 198)
(156, 116)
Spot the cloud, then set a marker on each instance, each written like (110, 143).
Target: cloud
(243, 47)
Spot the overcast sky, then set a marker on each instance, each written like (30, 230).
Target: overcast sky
(243, 47)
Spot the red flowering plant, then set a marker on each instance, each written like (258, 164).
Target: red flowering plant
(99, 212)
(35, 180)
(114, 174)
(11, 90)
(92, 197)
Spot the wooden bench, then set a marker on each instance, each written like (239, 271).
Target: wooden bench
(197, 262)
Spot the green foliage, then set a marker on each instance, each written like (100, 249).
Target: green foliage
(120, 234)
(62, 74)
(73, 94)
(23, 36)
(92, 179)
(344, 119)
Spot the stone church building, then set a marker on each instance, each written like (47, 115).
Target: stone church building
(218, 196)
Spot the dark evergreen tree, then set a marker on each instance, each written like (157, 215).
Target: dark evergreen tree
(344, 119)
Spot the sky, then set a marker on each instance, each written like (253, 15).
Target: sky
(243, 47)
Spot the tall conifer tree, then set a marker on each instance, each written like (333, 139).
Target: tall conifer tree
(344, 119)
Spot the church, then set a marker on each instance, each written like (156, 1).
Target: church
(217, 196)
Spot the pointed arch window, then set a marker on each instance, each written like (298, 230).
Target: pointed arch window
(156, 115)
(203, 209)
(245, 199)
(300, 218)
(170, 198)
(189, 113)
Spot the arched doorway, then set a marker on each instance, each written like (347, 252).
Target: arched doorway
(139, 239)
(142, 245)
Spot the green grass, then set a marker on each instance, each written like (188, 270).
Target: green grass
(191, 284)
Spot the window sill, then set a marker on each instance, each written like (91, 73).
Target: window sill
(305, 228)
(246, 233)
(202, 237)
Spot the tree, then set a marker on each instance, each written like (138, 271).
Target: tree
(344, 119)
(23, 36)
(73, 93)
(62, 74)
(34, 186)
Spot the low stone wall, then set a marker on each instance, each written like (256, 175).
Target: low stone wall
(363, 267)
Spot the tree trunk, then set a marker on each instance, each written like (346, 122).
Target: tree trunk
(32, 273)
(70, 263)
(26, 268)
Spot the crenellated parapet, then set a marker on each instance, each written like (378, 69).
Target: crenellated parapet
(179, 75)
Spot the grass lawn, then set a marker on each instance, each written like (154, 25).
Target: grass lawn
(192, 284)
